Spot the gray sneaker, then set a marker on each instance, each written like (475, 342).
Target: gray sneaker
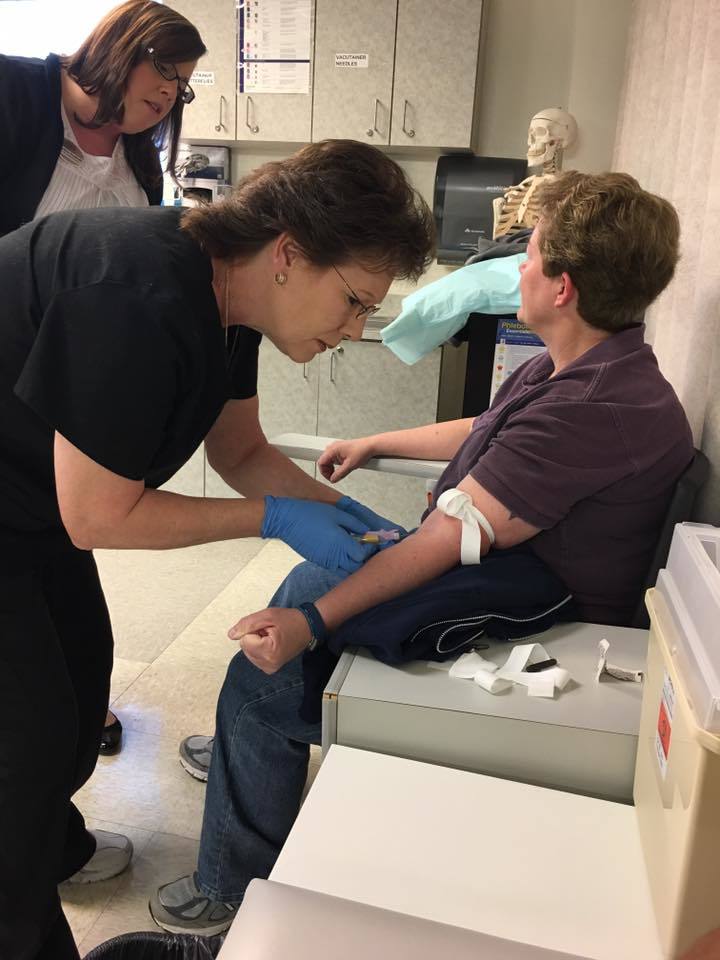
(112, 855)
(181, 907)
(195, 755)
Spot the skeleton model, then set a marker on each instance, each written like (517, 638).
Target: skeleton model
(550, 132)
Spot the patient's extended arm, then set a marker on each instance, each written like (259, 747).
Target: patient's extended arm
(436, 441)
(272, 637)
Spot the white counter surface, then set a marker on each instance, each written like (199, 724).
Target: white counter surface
(543, 867)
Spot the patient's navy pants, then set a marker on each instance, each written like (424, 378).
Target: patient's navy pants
(260, 759)
(55, 663)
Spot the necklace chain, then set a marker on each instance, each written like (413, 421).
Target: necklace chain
(227, 309)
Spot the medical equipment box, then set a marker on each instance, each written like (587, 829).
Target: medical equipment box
(690, 584)
(677, 776)
(583, 741)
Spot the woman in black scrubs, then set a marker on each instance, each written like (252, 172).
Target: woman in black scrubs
(127, 338)
(86, 130)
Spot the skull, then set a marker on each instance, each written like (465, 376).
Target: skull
(550, 130)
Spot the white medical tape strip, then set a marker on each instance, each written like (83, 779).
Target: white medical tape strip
(540, 685)
(496, 679)
(466, 666)
(456, 503)
(491, 682)
(522, 655)
(612, 670)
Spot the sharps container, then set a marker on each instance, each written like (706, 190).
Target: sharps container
(677, 774)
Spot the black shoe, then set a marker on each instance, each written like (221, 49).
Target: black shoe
(111, 739)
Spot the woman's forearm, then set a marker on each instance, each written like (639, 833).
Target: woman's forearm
(161, 520)
(436, 441)
(429, 552)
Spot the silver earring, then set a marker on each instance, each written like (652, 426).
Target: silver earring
(281, 279)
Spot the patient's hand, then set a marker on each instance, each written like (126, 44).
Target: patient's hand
(342, 457)
(272, 637)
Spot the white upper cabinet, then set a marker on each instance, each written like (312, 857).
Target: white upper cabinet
(354, 53)
(436, 60)
(385, 72)
(284, 117)
(211, 115)
(274, 116)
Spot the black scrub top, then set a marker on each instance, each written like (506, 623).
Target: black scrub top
(110, 334)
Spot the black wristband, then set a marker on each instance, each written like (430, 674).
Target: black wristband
(318, 630)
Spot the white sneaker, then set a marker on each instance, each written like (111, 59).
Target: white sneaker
(112, 855)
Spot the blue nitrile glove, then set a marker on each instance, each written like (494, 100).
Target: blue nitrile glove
(318, 531)
(435, 312)
(374, 520)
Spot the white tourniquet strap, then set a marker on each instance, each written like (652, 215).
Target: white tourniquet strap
(457, 503)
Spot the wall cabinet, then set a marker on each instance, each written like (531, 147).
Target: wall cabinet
(284, 117)
(413, 82)
(211, 115)
(436, 61)
(415, 78)
(354, 102)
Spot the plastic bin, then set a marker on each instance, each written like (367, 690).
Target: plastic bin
(157, 946)
(677, 792)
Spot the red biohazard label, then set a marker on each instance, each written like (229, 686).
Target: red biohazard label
(664, 729)
(664, 724)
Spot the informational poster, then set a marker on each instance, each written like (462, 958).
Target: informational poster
(274, 46)
(514, 344)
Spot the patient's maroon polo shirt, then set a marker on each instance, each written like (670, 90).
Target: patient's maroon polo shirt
(591, 457)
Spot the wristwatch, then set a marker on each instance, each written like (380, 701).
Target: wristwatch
(318, 630)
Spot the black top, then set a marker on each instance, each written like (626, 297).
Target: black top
(31, 137)
(109, 334)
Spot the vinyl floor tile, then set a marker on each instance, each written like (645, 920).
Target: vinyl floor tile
(152, 595)
(124, 673)
(250, 590)
(144, 786)
(174, 699)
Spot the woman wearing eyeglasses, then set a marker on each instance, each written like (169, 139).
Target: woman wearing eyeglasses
(86, 130)
(127, 338)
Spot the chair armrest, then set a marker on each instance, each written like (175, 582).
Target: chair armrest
(302, 446)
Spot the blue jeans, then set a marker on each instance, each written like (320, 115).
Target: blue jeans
(260, 759)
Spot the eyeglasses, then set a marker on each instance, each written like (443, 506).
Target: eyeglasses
(364, 310)
(168, 72)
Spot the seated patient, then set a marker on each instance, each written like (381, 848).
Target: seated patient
(578, 455)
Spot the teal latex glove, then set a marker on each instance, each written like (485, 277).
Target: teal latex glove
(434, 313)
(317, 531)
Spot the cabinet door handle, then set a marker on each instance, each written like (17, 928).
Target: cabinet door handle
(219, 125)
(333, 355)
(251, 125)
(374, 128)
(409, 132)
(305, 373)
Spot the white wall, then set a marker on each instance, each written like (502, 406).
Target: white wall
(35, 28)
(553, 53)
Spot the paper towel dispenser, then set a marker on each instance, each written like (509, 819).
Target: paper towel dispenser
(465, 187)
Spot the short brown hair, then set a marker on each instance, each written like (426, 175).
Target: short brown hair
(105, 59)
(340, 200)
(617, 242)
